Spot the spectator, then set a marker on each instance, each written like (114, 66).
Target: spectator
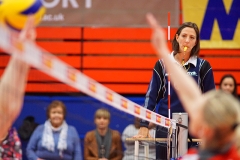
(228, 84)
(102, 143)
(26, 129)
(130, 131)
(55, 139)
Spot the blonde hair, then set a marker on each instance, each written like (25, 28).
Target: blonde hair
(222, 113)
(102, 113)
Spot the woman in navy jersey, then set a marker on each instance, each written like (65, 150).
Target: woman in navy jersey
(185, 46)
(215, 116)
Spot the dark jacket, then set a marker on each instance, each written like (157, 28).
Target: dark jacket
(157, 95)
(91, 146)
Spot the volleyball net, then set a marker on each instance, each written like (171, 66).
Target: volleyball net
(81, 108)
(125, 111)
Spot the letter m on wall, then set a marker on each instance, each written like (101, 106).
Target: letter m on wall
(227, 21)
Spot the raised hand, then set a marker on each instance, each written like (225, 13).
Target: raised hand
(158, 36)
(28, 32)
(13, 82)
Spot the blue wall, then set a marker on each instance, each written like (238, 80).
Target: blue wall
(80, 111)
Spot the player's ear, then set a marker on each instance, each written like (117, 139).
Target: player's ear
(177, 37)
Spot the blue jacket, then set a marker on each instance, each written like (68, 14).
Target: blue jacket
(36, 150)
(157, 95)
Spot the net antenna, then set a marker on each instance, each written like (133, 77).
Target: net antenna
(169, 137)
(169, 83)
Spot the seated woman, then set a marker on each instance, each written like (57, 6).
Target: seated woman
(228, 84)
(10, 146)
(102, 143)
(214, 116)
(55, 139)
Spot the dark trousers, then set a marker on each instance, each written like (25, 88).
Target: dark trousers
(161, 148)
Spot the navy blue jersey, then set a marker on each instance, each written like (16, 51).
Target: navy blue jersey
(157, 94)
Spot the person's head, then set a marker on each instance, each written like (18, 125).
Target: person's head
(137, 122)
(228, 84)
(187, 35)
(102, 118)
(56, 113)
(220, 120)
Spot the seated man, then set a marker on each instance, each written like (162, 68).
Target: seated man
(102, 143)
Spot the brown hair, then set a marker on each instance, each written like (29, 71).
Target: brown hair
(234, 81)
(196, 48)
(102, 112)
(55, 104)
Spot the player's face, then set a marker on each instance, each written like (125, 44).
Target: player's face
(187, 38)
(56, 116)
(102, 122)
(227, 85)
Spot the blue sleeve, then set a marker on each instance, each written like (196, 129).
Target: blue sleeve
(32, 144)
(208, 82)
(155, 90)
(207, 77)
(77, 146)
